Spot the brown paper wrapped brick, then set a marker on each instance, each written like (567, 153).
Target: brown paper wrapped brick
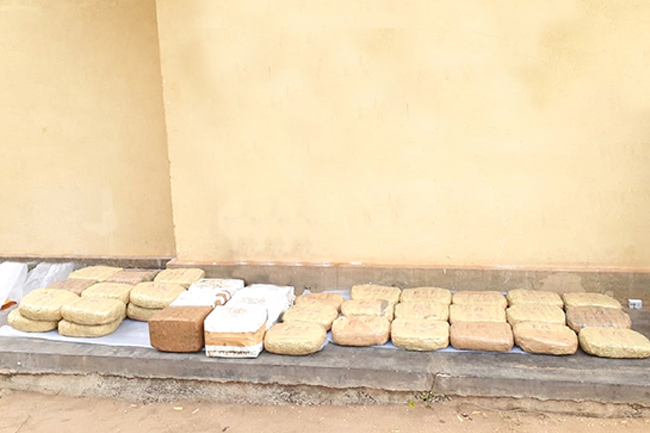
(98, 273)
(94, 311)
(420, 334)
(178, 329)
(360, 331)
(483, 336)
(374, 291)
(535, 313)
(476, 313)
(368, 307)
(614, 343)
(596, 317)
(118, 291)
(76, 286)
(479, 298)
(321, 314)
(426, 294)
(182, 276)
(328, 298)
(422, 310)
(133, 276)
(520, 296)
(154, 295)
(70, 329)
(546, 338)
(22, 323)
(45, 304)
(140, 314)
(589, 299)
(295, 338)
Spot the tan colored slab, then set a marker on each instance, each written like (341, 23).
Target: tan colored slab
(422, 310)
(521, 296)
(360, 331)
(614, 343)
(535, 313)
(545, 338)
(596, 317)
(483, 336)
(374, 291)
(295, 338)
(479, 298)
(426, 294)
(420, 334)
(98, 273)
(476, 313)
(589, 299)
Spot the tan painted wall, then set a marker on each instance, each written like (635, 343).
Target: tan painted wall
(83, 156)
(412, 132)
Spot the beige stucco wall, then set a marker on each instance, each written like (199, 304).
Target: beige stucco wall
(412, 132)
(83, 156)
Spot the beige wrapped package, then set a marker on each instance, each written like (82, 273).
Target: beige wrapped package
(483, 336)
(295, 338)
(98, 273)
(614, 343)
(133, 276)
(45, 304)
(521, 296)
(535, 313)
(328, 298)
(374, 291)
(22, 323)
(184, 277)
(420, 334)
(426, 294)
(479, 298)
(476, 313)
(360, 331)
(321, 314)
(118, 291)
(94, 311)
(76, 286)
(589, 299)
(422, 310)
(368, 307)
(140, 314)
(596, 317)
(155, 295)
(70, 329)
(546, 338)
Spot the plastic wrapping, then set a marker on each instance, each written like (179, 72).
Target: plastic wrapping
(12, 279)
(420, 334)
(276, 299)
(196, 299)
(45, 274)
(235, 331)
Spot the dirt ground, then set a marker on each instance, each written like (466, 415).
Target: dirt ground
(26, 412)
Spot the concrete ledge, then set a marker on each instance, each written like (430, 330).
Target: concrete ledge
(157, 262)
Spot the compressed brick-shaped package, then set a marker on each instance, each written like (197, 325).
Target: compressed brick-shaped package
(420, 334)
(118, 291)
(235, 331)
(360, 331)
(97, 273)
(479, 298)
(426, 294)
(614, 343)
(589, 299)
(74, 285)
(547, 338)
(374, 291)
(368, 307)
(182, 276)
(422, 310)
(70, 329)
(320, 314)
(476, 313)
(133, 276)
(22, 323)
(295, 338)
(45, 304)
(196, 299)
(596, 317)
(483, 336)
(328, 298)
(94, 311)
(222, 289)
(178, 329)
(521, 296)
(155, 295)
(535, 313)
(140, 314)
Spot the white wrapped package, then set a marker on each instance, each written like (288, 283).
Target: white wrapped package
(235, 331)
(274, 298)
(12, 278)
(222, 289)
(45, 274)
(195, 299)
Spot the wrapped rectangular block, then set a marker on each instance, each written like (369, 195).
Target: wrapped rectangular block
(422, 310)
(479, 298)
(233, 284)
(155, 295)
(178, 329)
(274, 298)
(22, 323)
(483, 336)
(140, 314)
(589, 299)
(196, 299)
(133, 276)
(97, 273)
(427, 294)
(70, 329)
(328, 298)
(94, 311)
(368, 307)
(614, 343)
(420, 334)
(76, 286)
(45, 304)
(118, 291)
(520, 296)
(535, 313)
(235, 331)
(184, 277)
(374, 291)
(360, 331)
(546, 338)
(321, 314)
(295, 338)
(596, 317)
(288, 292)
(476, 313)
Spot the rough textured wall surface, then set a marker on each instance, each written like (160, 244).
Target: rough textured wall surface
(83, 152)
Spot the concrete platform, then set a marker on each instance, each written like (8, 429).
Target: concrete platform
(337, 375)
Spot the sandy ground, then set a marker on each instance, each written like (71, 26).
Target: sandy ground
(26, 412)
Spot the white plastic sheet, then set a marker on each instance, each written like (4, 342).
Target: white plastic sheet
(12, 279)
(45, 274)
